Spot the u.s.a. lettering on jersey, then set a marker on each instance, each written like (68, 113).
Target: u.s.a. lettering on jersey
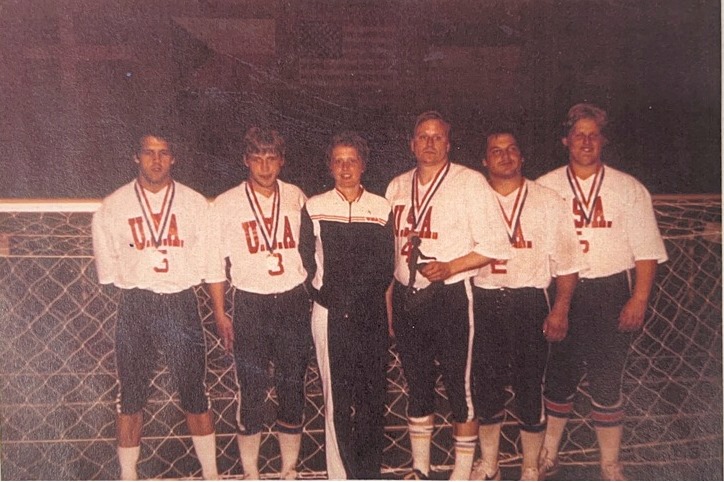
(140, 241)
(253, 240)
(424, 232)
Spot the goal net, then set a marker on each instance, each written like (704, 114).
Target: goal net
(58, 385)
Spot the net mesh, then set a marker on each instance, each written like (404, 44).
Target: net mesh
(58, 384)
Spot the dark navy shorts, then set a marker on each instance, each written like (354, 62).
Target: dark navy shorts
(510, 350)
(148, 324)
(594, 347)
(271, 328)
(439, 330)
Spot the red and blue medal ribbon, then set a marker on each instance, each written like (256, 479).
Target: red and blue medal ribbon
(156, 229)
(419, 206)
(587, 203)
(513, 221)
(268, 233)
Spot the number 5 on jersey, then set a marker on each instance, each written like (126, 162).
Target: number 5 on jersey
(159, 262)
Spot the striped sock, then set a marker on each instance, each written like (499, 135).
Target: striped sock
(607, 416)
(420, 441)
(464, 453)
(558, 409)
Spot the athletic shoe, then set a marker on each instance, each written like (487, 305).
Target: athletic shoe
(291, 475)
(530, 473)
(415, 474)
(547, 467)
(484, 471)
(612, 472)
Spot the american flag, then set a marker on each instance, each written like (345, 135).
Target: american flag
(335, 56)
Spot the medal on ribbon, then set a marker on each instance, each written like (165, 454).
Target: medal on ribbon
(512, 222)
(157, 225)
(156, 257)
(418, 208)
(587, 203)
(273, 260)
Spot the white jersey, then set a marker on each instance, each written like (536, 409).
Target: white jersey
(246, 226)
(155, 242)
(613, 217)
(543, 240)
(454, 215)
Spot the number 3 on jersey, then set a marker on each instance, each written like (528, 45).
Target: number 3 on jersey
(274, 264)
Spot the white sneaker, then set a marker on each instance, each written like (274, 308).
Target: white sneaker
(415, 474)
(530, 473)
(291, 475)
(547, 467)
(612, 472)
(485, 471)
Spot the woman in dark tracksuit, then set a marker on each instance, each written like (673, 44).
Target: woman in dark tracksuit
(347, 248)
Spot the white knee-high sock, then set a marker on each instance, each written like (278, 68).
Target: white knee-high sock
(249, 454)
(205, 446)
(609, 443)
(489, 436)
(289, 444)
(554, 435)
(128, 459)
(464, 454)
(420, 441)
(532, 443)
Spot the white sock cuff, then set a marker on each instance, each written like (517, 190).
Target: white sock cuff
(421, 425)
(128, 459)
(248, 437)
(129, 453)
(289, 446)
(289, 436)
(465, 438)
(204, 439)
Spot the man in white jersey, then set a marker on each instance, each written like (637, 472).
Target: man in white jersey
(619, 237)
(514, 313)
(447, 225)
(347, 243)
(257, 228)
(150, 238)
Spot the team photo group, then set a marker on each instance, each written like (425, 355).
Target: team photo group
(497, 283)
